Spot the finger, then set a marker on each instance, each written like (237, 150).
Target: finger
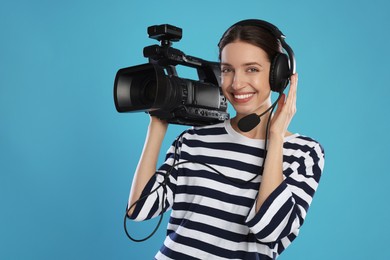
(293, 83)
(294, 79)
(289, 107)
(281, 102)
(291, 98)
(295, 87)
(294, 93)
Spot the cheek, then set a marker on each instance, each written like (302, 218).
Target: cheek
(224, 88)
(262, 81)
(224, 80)
(225, 83)
(224, 91)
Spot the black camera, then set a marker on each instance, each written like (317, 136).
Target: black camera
(156, 88)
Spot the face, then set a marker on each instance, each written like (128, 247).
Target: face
(245, 77)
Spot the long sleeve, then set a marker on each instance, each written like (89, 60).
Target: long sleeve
(284, 211)
(157, 196)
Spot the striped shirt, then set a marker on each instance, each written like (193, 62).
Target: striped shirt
(212, 193)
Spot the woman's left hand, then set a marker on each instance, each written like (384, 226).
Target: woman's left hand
(285, 111)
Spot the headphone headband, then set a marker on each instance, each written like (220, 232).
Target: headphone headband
(261, 23)
(274, 31)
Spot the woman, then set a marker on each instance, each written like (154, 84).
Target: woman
(227, 201)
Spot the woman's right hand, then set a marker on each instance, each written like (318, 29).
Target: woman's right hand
(159, 123)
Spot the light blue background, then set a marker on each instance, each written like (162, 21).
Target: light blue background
(67, 157)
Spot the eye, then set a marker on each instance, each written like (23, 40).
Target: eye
(252, 69)
(226, 70)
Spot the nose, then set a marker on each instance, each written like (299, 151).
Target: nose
(237, 82)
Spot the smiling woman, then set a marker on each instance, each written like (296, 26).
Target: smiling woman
(231, 194)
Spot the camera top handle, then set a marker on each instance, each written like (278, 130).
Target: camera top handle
(168, 57)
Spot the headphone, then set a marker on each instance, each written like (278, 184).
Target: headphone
(283, 65)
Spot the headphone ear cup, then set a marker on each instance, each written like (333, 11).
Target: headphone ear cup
(279, 75)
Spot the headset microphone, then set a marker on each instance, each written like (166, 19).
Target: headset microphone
(250, 121)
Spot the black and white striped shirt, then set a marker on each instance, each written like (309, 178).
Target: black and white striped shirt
(213, 214)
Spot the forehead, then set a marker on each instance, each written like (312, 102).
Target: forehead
(242, 52)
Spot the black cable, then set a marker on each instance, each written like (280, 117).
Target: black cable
(174, 164)
(163, 184)
(267, 129)
(158, 224)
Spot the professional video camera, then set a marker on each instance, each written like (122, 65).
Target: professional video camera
(156, 88)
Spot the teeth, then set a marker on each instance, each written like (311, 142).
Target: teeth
(243, 96)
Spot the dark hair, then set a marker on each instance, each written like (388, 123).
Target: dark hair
(255, 35)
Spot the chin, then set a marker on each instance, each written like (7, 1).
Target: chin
(243, 112)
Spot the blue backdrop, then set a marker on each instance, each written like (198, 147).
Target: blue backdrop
(67, 157)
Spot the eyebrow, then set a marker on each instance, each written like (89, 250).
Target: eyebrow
(244, 65)
(252, 63)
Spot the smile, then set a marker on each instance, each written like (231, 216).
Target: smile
(243, 96)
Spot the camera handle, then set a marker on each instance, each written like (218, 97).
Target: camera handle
(169, 57)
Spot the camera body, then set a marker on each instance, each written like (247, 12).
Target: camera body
(156, 88)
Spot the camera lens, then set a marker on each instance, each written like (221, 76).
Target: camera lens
(136, 88)
(149, 92)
